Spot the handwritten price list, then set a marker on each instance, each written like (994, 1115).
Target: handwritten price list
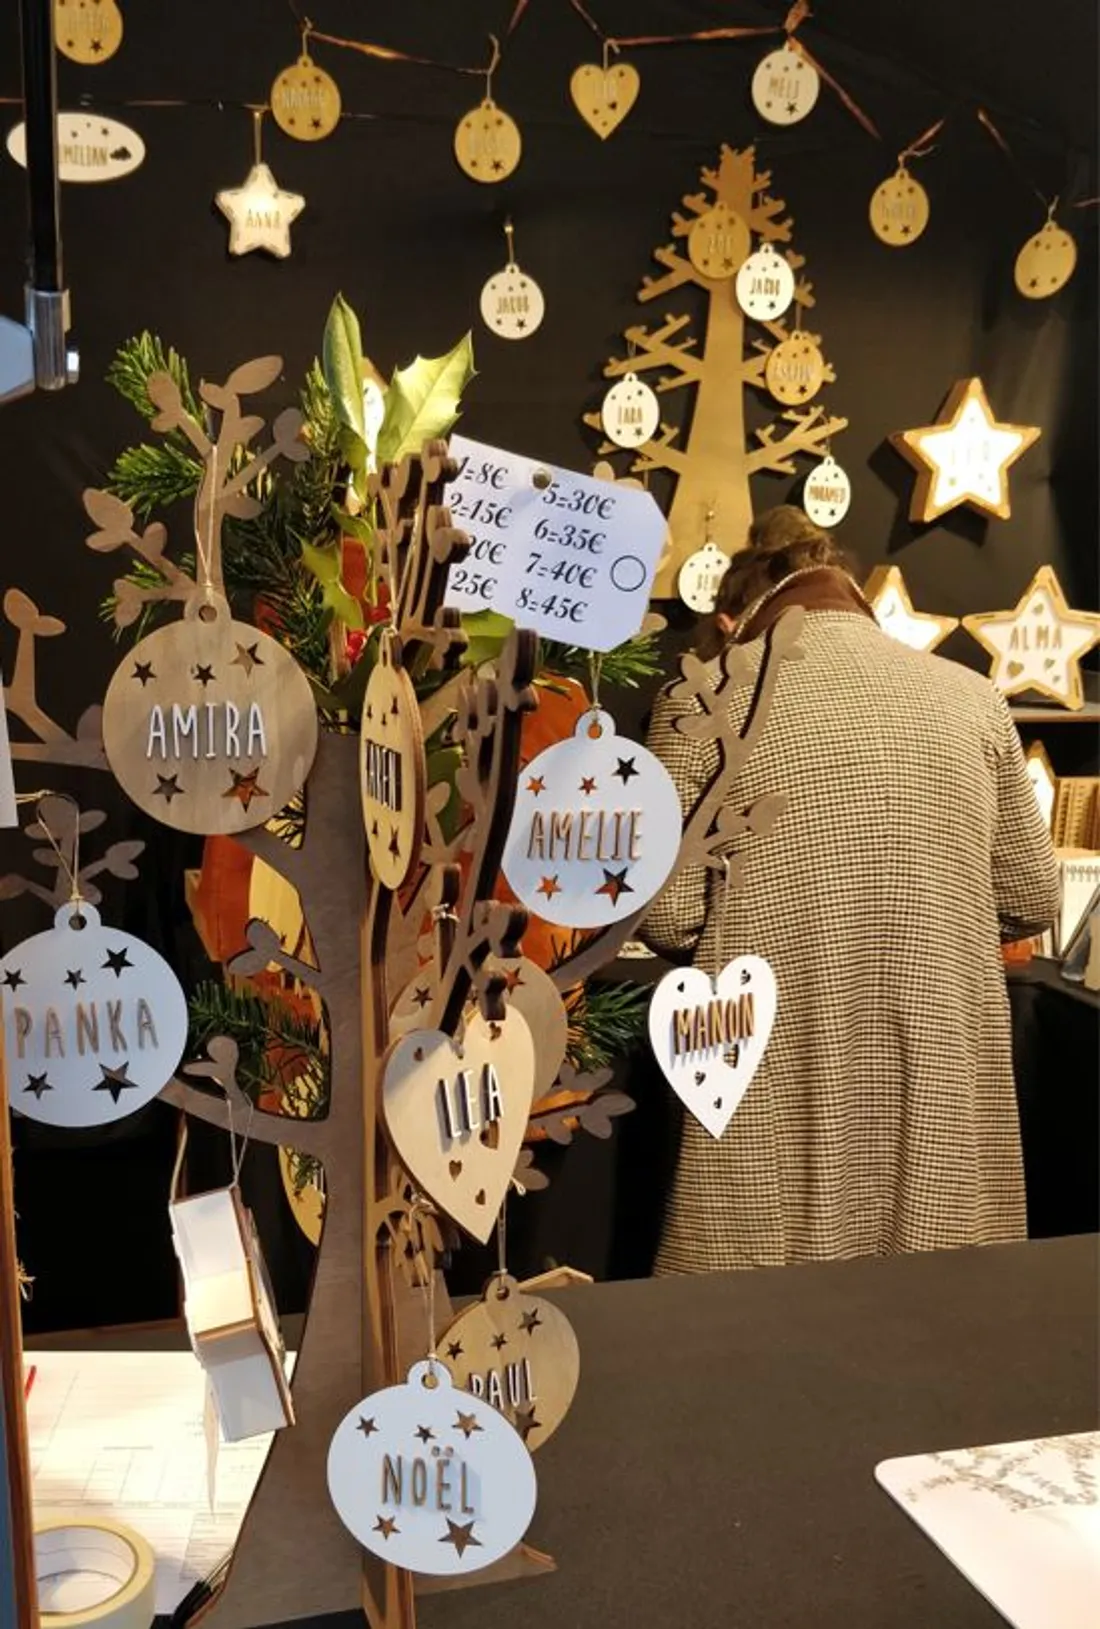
(569, 556)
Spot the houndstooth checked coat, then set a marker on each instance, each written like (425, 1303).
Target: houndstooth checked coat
(883, 1115)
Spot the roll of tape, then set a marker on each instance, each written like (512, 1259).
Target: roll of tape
(101, 1559)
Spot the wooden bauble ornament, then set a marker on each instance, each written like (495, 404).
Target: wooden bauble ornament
(519, 1353)
(209, 725)
(392, 773)
(827, 494)
(899, 209)
(709, 1035)
(795, 370)
(431, 1478)
(87, 31)
(456, 1113)
(604, 96)
(630, 412)
(595, 830)
(1046, 262)
(95, 1022)
(89, 147)
(718, 243)
(512, 304)
(488, 144)
(700, 577)
(305, 101)
(785, 86)
(765, 285)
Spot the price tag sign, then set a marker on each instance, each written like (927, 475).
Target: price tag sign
(571, 557)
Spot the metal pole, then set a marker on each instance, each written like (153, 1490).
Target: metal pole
(47, 307)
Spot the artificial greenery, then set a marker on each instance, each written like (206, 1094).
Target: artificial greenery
(279, 1051)
(606, 1022)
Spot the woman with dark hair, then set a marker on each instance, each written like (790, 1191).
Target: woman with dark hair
(883, 1115)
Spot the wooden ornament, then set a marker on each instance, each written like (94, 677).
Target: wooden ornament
(89, 147)
(456, 1113)
(488, 145)
(1044, 782)
(604, 96)
(595, 830)
(719, 242)
(431, 1478)
(87, 31)
(795, 370)
(260, 214)
(630, 413)
(392, 767)
(709, 1035)
(512, 304)
(899, 209)
(827, 494)
(964, 458)
(209, 725)
(305, 101)
(519, 1353)
(1038, 646)
(95, 1022)
(1046, 262)
(785, 86)
(701, 576)
(765, 285)
(889, 599)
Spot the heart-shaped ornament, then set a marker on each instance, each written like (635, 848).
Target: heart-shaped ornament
(604, 97)
(456, 1113)
(709, 1035)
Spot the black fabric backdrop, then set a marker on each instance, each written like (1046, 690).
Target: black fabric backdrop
(393, 223)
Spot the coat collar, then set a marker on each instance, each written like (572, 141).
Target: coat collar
(815, 588)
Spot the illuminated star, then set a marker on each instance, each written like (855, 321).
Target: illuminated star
(247, 658)
(536, 784)
(614, 884)
(116, 961)
(530, 1322)
(260, 214)
(37, 1084)
(964, 458)
(625, 770)
(13, 978)
(74, 977)
(889, 600)
(203, 675)
(525, 1421)
(588, 784)
(454, 1350)
(115, 1081)
(168, 787)
(367, 1427)
(425, 1433)
(386, 1525)
(1039, 644)
(498, 1342)
(549, 886)
(466, 1423)
(245, 787)
(460, 1534)
(143, 672)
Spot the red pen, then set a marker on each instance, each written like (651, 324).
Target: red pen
(29, 1381)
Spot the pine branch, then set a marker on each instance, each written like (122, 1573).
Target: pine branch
(627, 666)
(279, 1051)
(606, 1021)
(136, 360)
(150, 478)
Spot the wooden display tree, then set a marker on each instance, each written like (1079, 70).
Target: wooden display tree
(711, 464)
(380, 1242)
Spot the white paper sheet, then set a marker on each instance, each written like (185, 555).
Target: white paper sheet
(1020, 1520)
(121, 1434)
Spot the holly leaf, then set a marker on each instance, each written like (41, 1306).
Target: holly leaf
(342, 364)
(326, 565)
(422, 401)
(487, 633)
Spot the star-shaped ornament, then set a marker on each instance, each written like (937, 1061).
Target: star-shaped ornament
(965, 458)
(1039, 645)
(260, 214)
(889, 599)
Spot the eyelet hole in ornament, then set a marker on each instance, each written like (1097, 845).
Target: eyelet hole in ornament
(595, 730)
(430, 1380)
(207, 613)
(78, 923)
(502, 1292)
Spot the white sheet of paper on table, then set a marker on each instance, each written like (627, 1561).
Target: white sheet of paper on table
(1020, 1520)
(574, 558)
(122, 1434)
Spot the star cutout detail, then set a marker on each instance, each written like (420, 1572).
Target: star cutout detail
(588, 784)
(168, 787)
(1038, 645)
(74, 977)
(425, 1433)
(549, 886)
(393, 845)
(13, 978)
(367, 1427)
(965, 458)
(536, 784)
(525, 1421)
(454, 1350)
(615, 884)
(245, 787)
(386, 1525)
(115, 1081)
(260, 214)
(889, 599)
(116, 961)
(143, 672)
(461, 1535)
(530, 1322)
(626, 770)
(513, 979)
(247, 658)
(203, 675)
(466, 1423)
(499, 1342)
(422, 996)
(37, 1084)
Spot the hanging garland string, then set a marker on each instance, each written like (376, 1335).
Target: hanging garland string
(1049, 204)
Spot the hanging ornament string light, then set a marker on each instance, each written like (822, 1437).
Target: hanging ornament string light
(259, 212)
(305, 100)
(511, 301)
(488, 144)
(899, 206)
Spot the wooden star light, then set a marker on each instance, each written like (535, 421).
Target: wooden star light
(260, 214)
(1039, 645)
(965, 457)
(889, 600)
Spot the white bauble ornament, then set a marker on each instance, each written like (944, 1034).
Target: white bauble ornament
(827, 494)
(630, 413)
(700, 576)
(596, 828)
(765, 285)
(431, 1478)
(785, 86)
(709, 1035)
(95, 1021)
(512, 304)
